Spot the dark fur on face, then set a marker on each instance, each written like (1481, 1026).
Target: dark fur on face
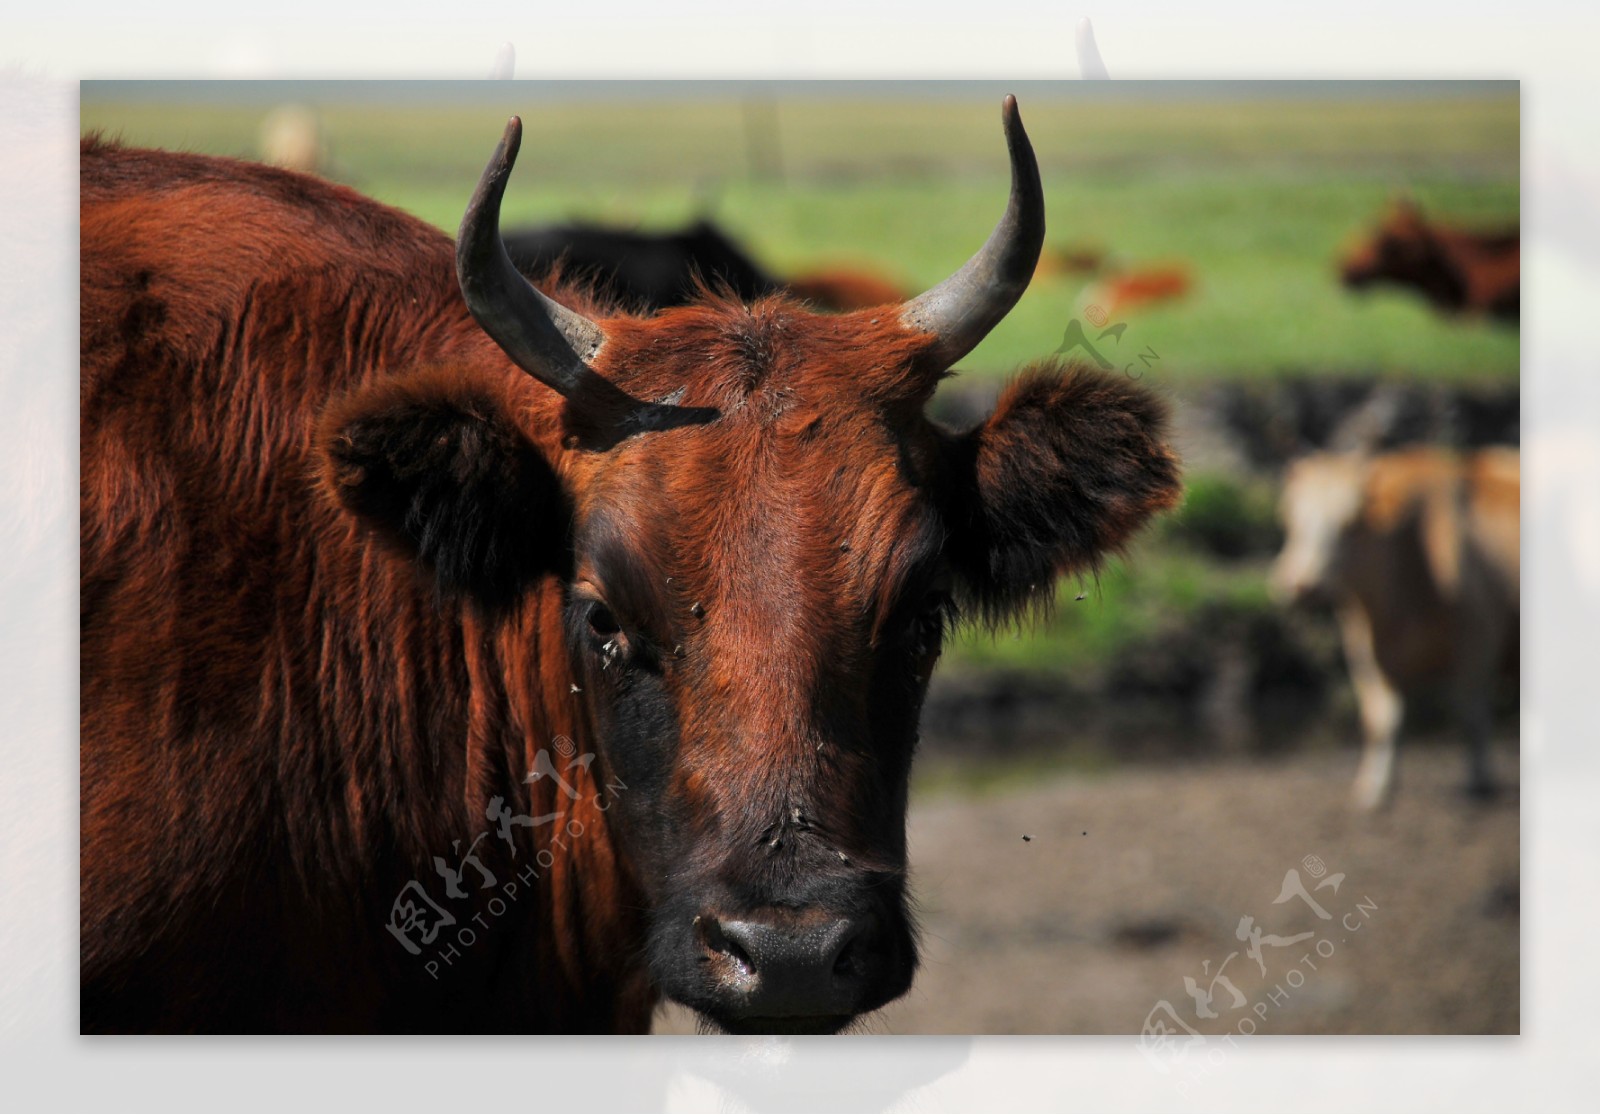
(437, 465)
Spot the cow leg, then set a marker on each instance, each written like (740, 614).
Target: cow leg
(1477, 659)
(1381, 707)
(1476, 721)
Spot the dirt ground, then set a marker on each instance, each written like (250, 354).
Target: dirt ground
(1133, 879)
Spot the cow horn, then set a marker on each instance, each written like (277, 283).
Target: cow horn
(548, 341)
(961, 310)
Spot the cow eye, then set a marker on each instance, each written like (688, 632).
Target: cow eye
(936, 614)
(602, 622)
(609, 640)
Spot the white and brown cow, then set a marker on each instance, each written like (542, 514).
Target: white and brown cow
(1418, 552)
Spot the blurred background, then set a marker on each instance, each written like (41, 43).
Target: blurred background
(1103, 798)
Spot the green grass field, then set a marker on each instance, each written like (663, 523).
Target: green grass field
(1254, 196)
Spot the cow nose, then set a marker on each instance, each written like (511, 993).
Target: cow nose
(777, 966)
(1289, 590)
(1287, 586)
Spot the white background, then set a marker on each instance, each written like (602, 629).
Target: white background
(1550, 47)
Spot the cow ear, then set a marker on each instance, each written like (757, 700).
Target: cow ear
(1068, 467)
(436, 466)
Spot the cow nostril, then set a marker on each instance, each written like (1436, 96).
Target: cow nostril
(854, 948)
(710, 935)
(845, 964)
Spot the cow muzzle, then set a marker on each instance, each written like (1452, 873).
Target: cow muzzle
(1290, 590)
(776, 970)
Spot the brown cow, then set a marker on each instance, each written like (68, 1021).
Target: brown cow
(421, 692)
(1418, 552)
(1456, 270)
(844, 288)
(1128, 290)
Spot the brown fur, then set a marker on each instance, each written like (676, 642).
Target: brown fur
(281, 725)
(328, 536)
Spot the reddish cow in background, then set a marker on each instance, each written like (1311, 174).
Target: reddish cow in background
(1417, 550)
(1132, 289)
(460, 656)
(844, 288)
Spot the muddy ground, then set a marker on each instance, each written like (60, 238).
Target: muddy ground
(1139, 876)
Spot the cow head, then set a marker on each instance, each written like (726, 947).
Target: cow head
(1321, 506)
(762, 543)
(1404, 249)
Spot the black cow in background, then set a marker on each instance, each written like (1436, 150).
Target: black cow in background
(649, 271)
(643, 270)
